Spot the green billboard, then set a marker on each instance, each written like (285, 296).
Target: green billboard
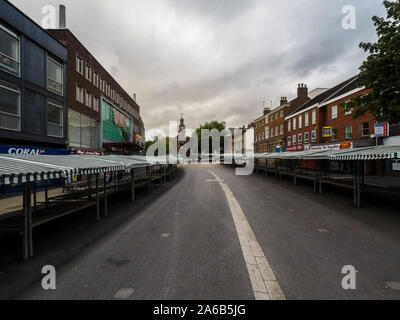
(117, 127)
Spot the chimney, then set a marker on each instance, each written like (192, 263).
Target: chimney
(266, 111)
(283, 101)
(134, 97)
(302, 90)
(62, 20)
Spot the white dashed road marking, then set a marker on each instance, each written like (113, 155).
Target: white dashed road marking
(263, 281)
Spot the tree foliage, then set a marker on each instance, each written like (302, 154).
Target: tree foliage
(214, 124)
(380, 72)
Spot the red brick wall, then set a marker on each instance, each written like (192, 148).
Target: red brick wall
(344, 120)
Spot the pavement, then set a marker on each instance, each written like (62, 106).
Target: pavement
(213, 235)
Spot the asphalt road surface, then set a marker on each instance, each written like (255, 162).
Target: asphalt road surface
(190, 243)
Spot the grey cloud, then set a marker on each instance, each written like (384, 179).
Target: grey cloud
(217, 59)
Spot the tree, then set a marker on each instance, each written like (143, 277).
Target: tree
(214, 124)
(381, 70)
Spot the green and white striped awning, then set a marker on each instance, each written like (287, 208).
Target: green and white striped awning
(371, 153)
(15, 169)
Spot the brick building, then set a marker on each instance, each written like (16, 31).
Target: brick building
(260, 134)
(102, 116)
(322, 123)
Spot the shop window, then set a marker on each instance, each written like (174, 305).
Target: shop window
(10, 107)
(364, 129)
(349, 132)
(54, 76)
(96, 104)
(74, 128)
(294, 140)
(9, 51)
(54, 119)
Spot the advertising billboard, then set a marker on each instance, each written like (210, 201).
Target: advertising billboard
(117, 127)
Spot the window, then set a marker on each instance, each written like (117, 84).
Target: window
(334, 112)
(9, 51)
(10, 108)
(306, 119)
(88, 99)
(95, 104)
(281, 113)
(79, 94)
(83, 131)
(276, 131)
(79, 65)
(314, 136)
(102, 85)
(289, 125)
(294, 140)
(300, 140)
(314, 117)
(289, 141)
(54, 76)
(88, 73)
(300, 121)
(306, 137)
(281, 128)
(349, 132)
(346, 113)
(96, 79)
(294, 123)
(266, 132)
(272, 132)
(364, 129)
(54, 119)
(334, 134)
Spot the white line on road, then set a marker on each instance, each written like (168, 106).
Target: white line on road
(263, 281)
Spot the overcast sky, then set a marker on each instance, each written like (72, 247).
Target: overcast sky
(217, 59)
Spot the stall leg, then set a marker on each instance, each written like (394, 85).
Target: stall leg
(25, 235)
(295, 174)
(132, 185)
(46, 193)
(105, 196)
(355, 185)
(34, 196)
(30, 227)
(97, 198)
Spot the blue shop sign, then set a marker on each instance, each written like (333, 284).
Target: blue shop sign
(18, 150)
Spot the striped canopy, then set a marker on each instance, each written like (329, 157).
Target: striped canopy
(373, 153)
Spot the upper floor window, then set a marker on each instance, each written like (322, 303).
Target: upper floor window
(96, 104)
(10, 107)
(300, 121)
(9, 51)
(281, 113)
(349, 132)
(79, 65)
(266, 132)
(294, 123)
(281, 129)
(54, 119)
(88, 73)
(364, 126)
(334, 112)
(294, 140)
(54, 76)
(314, 117)
(306, 137)
(96, 79)
(289, 125)
(306, 119)
(88, 99)
(79, 94)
